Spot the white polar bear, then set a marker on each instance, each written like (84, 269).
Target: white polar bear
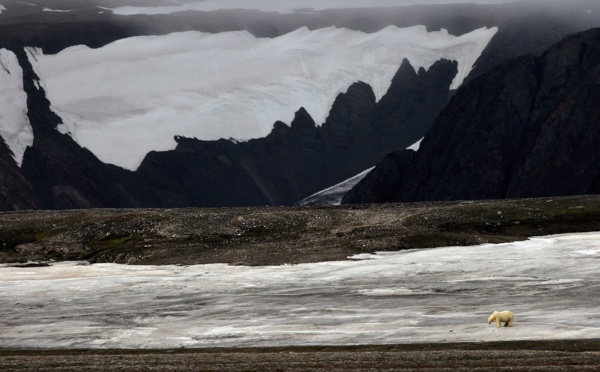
(502, 317)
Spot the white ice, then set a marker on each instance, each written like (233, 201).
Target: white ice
(287, 6)
(333, 195)
(415, 146)
(433, 295)
(2, 8)
(56, 10)
(15, 128)
(134, 95)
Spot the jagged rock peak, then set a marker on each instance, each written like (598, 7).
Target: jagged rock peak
(529, 127)
(302, 119)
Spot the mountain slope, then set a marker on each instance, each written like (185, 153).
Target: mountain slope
(527, 128)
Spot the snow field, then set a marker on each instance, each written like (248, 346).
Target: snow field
(430, 295)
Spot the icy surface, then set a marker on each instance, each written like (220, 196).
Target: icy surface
(55, 10)
(15, 128)
(2, 8)
(333, 195)
(134, 95)
(434, 295)
(415, 146)
(286, 6)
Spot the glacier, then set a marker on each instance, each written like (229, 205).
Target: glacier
(15, 128)
(333, 195)
(135, 95)
(386, 298)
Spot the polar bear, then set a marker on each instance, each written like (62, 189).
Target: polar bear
(500, 317)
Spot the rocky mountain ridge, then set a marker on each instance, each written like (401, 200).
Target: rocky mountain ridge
(280, 168)
(527, 128)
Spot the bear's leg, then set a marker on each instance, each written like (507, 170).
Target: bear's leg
(506, 324)
(509, 323)
(498, 323)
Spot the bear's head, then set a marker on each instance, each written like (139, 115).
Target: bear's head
(492, 317)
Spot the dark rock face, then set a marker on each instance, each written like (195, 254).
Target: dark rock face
(298, 160)
(16, 192)
(530, 28)
(527, 128)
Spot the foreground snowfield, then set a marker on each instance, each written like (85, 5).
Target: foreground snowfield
(135, 95)
(434, 295)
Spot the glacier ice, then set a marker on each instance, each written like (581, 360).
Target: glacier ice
(135, 95)
(15, 128)
(333, 195)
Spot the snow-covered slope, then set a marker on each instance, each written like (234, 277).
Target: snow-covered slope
(333, 195)
(396, 297)
(134, 95)
(56, 10)
(15, 128)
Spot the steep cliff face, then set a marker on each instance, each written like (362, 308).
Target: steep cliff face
(529, 127)
(16, 192)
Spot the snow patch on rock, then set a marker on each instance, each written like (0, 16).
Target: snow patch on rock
(15, 128)
(333, 195)
(57, 10)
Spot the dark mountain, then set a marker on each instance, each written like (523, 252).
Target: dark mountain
(293, 161)
(16, 192)
(529, 127)
(290, 163)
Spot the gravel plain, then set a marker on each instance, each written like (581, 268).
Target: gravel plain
(570, 355)
(281, 235)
